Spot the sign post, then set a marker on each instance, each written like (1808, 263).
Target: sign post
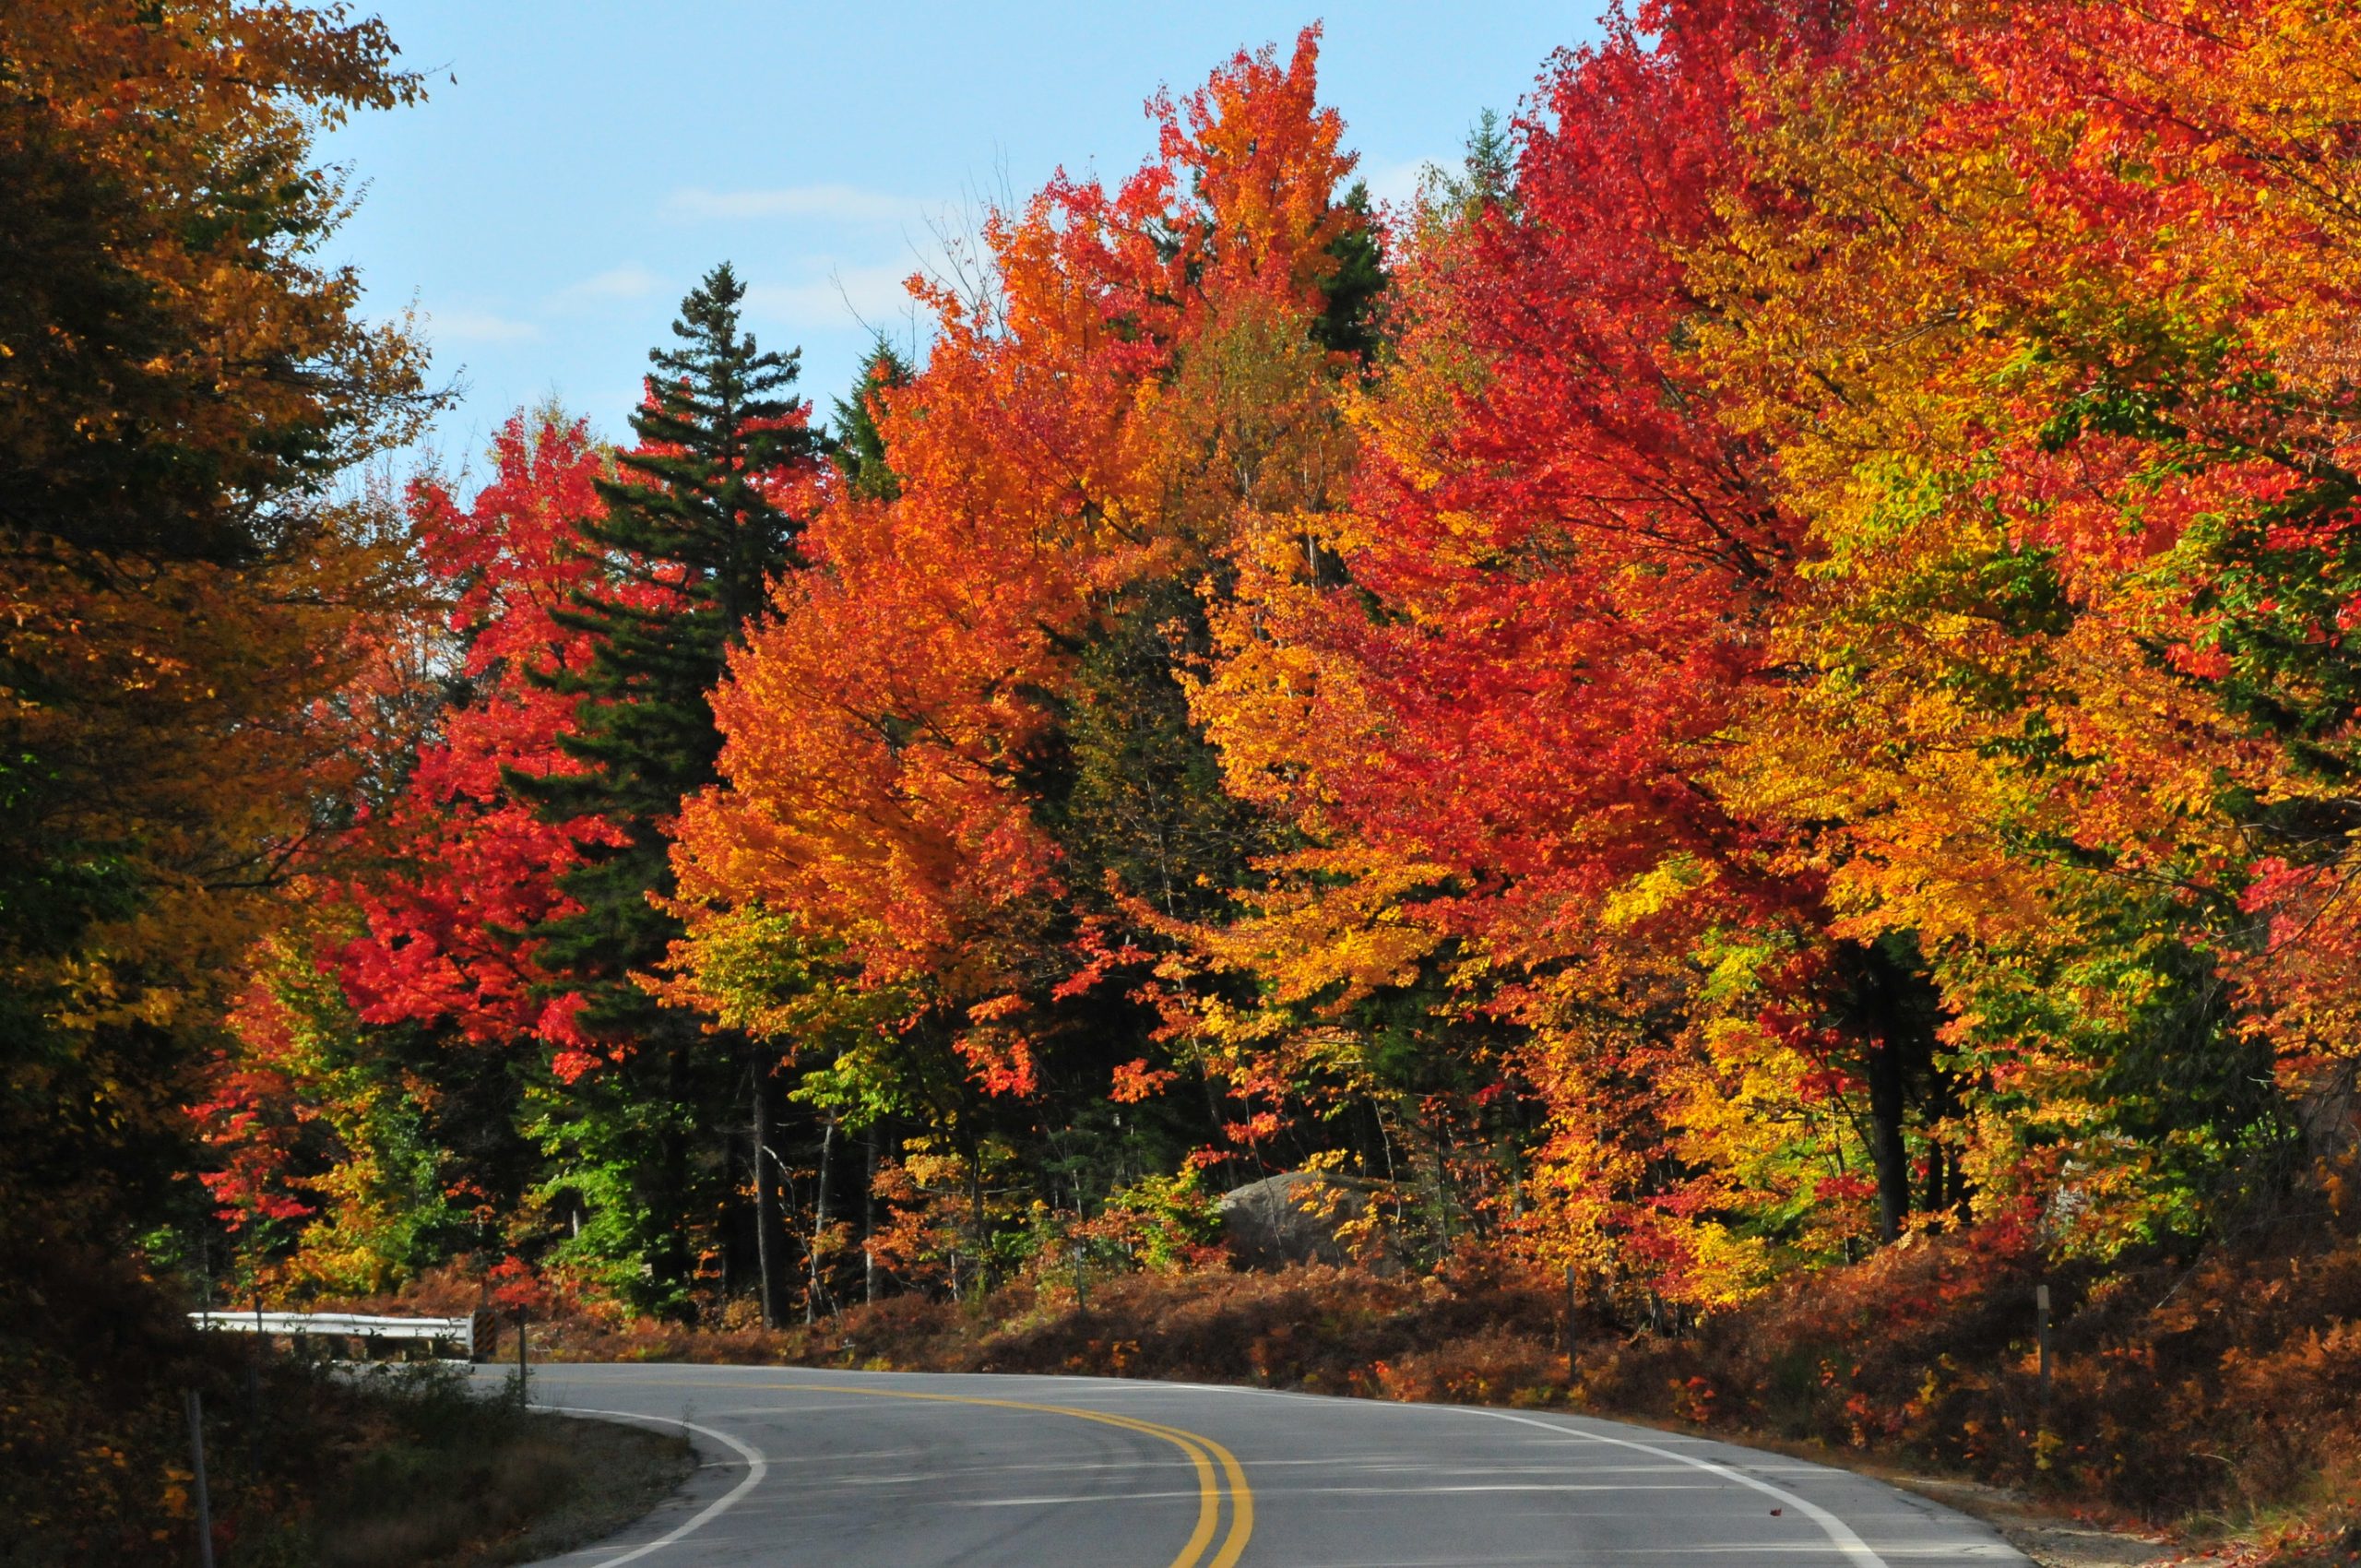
(1574, 1329)
(195, 1404)
(2041, 1308)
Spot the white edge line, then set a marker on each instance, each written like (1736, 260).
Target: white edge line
(1839, 1533)
(756, 1468)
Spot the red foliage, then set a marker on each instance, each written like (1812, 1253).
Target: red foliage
(252, 1123)
(476, 865)
(1574, 567)
(515, 1286)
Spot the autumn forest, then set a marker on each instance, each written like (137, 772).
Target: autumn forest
(1760, 674)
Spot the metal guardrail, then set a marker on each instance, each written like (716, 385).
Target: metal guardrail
(345, 1325)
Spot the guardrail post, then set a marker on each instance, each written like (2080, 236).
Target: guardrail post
(195, 1404)
(253, 1368)
(521, 1401)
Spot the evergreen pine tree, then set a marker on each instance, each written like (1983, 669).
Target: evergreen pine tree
(856, 444)
(1487, 176)
(693, 531)
(1353, 322)
(1490, 162)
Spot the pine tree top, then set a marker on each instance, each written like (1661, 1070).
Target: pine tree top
(719, 379)
(696, 525)
(857, 445)
(698, 505)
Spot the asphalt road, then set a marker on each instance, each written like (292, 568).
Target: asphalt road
(815, 1467)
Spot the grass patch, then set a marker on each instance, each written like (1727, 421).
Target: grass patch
(459, 1477)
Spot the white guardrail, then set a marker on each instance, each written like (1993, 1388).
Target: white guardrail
(460, 1331)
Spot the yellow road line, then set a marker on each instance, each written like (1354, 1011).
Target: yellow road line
(1202, 1452)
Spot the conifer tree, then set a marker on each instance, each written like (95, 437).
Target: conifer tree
(696, 523)
(1355, 289)
(857, 445)
(1488, 176)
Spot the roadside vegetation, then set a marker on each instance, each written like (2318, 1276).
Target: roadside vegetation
(458, 1477)
(308, 1464)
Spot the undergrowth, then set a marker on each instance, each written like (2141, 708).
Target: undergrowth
(306, 1466)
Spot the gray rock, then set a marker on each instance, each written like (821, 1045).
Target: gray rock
(1291, 1217)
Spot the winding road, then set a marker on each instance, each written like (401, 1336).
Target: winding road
(804, 1466)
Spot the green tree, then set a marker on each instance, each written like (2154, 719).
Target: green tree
(856, 443)
(1354, 322)
(702, 513)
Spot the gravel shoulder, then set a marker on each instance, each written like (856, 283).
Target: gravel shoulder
(2050, 1538)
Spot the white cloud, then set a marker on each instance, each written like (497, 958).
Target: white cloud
(844, 204)
(630, 282)
(478, 327)
(845, 297)
(1396, 182)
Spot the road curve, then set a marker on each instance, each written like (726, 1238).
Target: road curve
(806, 1466)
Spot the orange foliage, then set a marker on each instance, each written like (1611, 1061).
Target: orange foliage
(1065, 443)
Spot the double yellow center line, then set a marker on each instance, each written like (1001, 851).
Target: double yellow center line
(1218, 1469)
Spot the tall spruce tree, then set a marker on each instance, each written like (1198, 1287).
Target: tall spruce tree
(855, 442)
(695, 529)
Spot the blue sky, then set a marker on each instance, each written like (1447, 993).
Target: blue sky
(546, 210)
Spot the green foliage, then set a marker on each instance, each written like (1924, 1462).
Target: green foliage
(1163, 1221)
(697, 525)
(856, 445)
(1354, 320)
(377, 1177)
(1133, 792)
(602, 1209)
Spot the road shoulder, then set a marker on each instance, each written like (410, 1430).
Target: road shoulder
(2050, 1538)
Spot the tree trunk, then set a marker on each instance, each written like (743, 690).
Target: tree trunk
(819, 1226)
(674, 1256)
(976, 1212)
(768, 1242)
(1895, 1013)
(870, 1212)
(1888, 1153)
(1948, 1187)
(1938, 1172)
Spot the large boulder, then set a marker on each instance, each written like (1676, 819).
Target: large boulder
(1295, 1216)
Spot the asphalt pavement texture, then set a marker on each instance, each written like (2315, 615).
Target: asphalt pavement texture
(807, 1467)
